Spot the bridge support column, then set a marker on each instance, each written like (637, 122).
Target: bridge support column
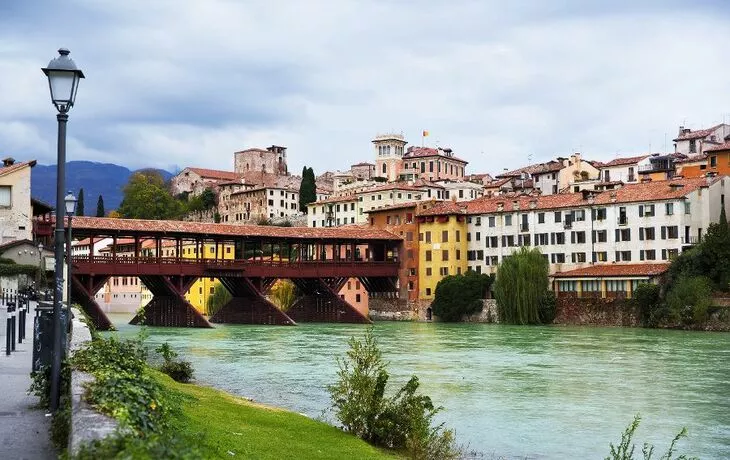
(83, 291)
(168, 306)
(320, 302)
(248, 305)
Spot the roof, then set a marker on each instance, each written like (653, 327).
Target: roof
(396, 186)
(14, 243)
(264, 188)
(539, 168)
(40, 207)
(214, 174)
(630, 193)
(614, 271)
(409, 204)
(725, 146)
(335, 199)
(422, 152)
(364, 163)
(620, 161)
(16, 167)
(698, 134)
(84, 226)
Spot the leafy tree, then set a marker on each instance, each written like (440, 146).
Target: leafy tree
(647, 298)
(283, 294)
(217, 299)
(520, 286)
(208, 198)
(459, 295)
(307, 189)
(547, 308)
(100, 207)
(217, 217)
(80, 203)
(146, 196)
(689, 299)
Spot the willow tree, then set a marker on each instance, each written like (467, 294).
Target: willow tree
(217, 299)
(283, 294)
(520, 286)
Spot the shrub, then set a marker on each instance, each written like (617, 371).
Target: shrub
(403, 421)
(17, 269)
(625, 449)
(547, 308)
(651, 309)
(5, 260)
(689, 299)
(460, 295)
(180, 370)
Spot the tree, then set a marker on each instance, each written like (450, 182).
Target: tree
(307, 189)
(217, 299)
(647, 298)
(147, 197)
(689, 299)
(520, 286)
(459, 295)
(208, 198)
(100, 207)
(283, 294)
(80, 203)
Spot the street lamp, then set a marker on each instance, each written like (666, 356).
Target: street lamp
(63, 81)
(70, 201)
(41, 267)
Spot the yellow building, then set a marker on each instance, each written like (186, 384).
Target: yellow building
(199, 292)
(442, 246)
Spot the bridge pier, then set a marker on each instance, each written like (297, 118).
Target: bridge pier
(168, 306)
(83, 291)
(320, 302)
(248, 305)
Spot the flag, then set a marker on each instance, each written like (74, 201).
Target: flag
(425, 133)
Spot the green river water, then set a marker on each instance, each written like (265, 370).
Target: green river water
(508, 391)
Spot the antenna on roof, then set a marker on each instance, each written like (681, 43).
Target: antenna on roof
(529, 158)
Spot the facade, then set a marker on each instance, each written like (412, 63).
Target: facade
(432, 164)
(271, 160)
(401, 220)
(120, 294)
(16, 213)
(555, 176)
(715, 160)
(195, 180)
(363, 171)
(248, 205)
(335, 211)
(389, 150)
(695, 143)
(624, 169)
(616, 281)
(354, 293)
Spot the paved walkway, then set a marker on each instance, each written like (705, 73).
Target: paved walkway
(24, 428)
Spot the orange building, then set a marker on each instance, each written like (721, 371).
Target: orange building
(400, 219)
(715, 160)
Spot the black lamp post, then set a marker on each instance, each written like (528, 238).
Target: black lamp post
(70, 201)
(63, 81)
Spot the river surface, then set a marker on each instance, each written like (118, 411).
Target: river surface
(508, 391)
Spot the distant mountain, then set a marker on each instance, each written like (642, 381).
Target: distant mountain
(96, 179)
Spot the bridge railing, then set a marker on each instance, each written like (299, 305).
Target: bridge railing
(220, 263)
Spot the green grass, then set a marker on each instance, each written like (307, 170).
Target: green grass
(224, 426)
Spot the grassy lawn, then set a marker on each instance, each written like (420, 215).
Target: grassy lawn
(224, 426)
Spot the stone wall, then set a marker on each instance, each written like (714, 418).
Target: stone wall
(596, 312)
(386, 309)
(86, 424)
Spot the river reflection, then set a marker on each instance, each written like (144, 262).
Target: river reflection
(536, 392)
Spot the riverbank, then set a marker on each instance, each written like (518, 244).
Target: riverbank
(224, 426)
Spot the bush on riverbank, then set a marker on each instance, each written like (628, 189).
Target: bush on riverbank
(402, 422)
(179, 369)
(625, 448)
(460, 295)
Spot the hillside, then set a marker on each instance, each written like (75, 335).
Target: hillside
(96, 179)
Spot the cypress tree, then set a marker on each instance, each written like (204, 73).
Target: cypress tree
(80, 203)
(100, 207)
(307, 189)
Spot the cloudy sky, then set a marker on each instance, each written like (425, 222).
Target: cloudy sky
(175, 83)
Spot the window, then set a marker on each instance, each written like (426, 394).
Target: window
(212, 290)
(622, 219)
(600, 256)
(429, 272)
(646, 210)
(428, 256)
(508, 220)
(445, 255)
(713, 161)
(428, 290)
(669, 208)
(600, 236)
(577, 237)
(458, 254)
(444, 271)
(557, 238)
(623, 234)
(493, 241)
(647, 233)
(557, 258)
(409, 236)
(410, 285)
(692, 146)
(540, 217)
(599, 214)
(468, 236)
(578, 257)
(687, 207)
(670, 232)
(492, 221)
(478, 222)
(5, 196)
(428, 237)
(458, 236)
(623, 256)
(579, 215)
(478, 236)
(445, 236)
(648, 254)
(558, 216)
(541, 239)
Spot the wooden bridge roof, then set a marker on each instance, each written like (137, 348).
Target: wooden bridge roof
(105, 226)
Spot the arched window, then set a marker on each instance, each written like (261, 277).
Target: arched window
(385, 168)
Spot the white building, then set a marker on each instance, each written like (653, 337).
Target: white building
(335, 211)
(554, 176)
(16, 213)
(650, 221)
(624, 169)
(691, 143)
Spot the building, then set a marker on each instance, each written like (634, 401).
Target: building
(715, 160)
(334, 211)
(431, 164)
(695, 143)
(555, 176)
(442, 246)
(195, 180)
(401, 219)
(120, 294)
(625, 169)
(271, 160)
(615, 281)
(251, 205)
(16, 222)
(389, 150)
(363, 171)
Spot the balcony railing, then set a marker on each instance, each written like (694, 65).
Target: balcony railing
(567, 224)
(623, 221)
(524, 228)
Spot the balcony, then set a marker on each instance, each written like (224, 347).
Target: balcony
(524, 228)
(623, 220)
(567, 224)
(691, 240)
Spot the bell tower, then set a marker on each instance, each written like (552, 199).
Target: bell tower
(389, 150)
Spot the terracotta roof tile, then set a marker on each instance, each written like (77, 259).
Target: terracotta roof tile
(614, 271)
(540, 168)
(620, 161)
(167, 228)
(698, 134)
(409, 204)
(422, 152)
(725, 146)
(214, 174)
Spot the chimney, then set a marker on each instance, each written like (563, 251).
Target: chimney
(614, 198)
(533, 204)
(500, 206)
(575, 158)
(681, 130)
(9, 161)
(515, 205)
